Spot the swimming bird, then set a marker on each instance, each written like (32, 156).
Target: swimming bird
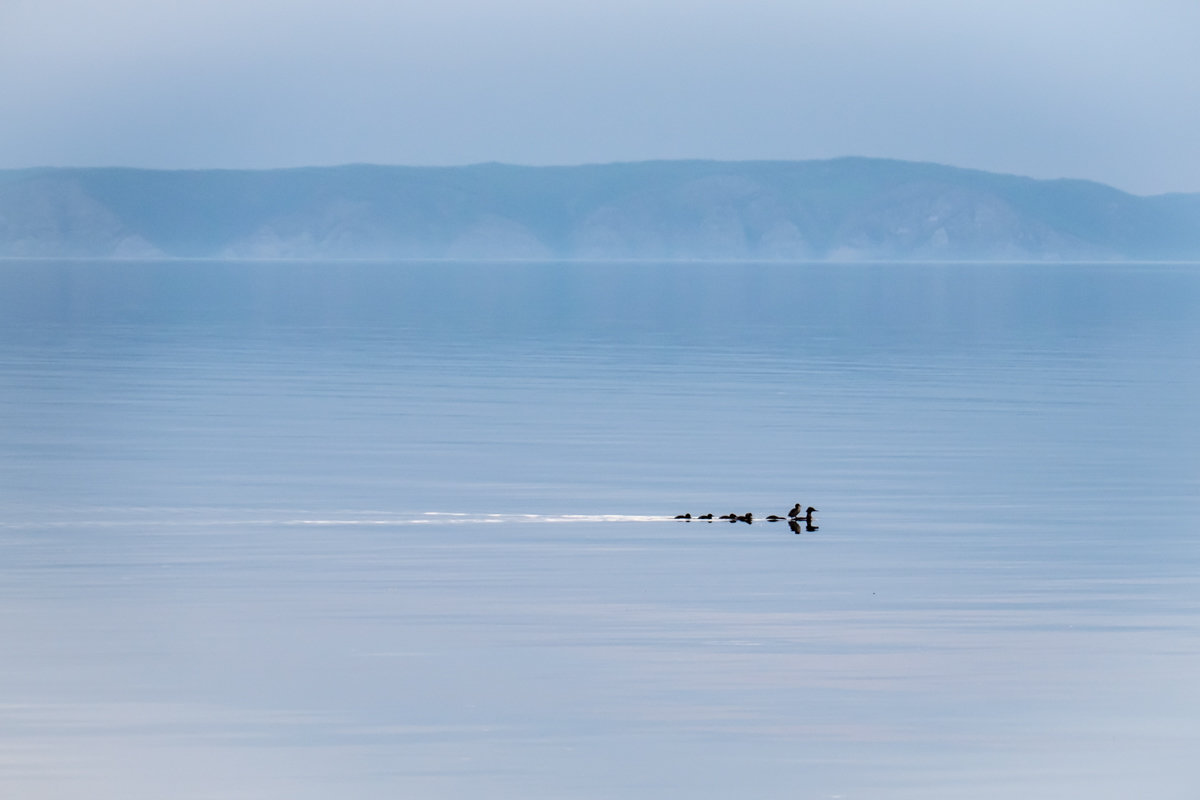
(795, 512)
(684, 516)
(705, 516)
(729, 517)
(774, 518)
(748, 517)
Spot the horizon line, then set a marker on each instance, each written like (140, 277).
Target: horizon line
(591, 164)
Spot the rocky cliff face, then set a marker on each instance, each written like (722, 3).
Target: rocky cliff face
(54, 215)
(848, 209)
(719, 216)
(933, 220)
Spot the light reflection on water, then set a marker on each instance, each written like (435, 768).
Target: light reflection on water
(407, 533)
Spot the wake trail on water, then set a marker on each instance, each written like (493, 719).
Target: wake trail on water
(180, 518)
(452, 518)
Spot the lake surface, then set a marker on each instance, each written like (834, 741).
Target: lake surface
(402, 531)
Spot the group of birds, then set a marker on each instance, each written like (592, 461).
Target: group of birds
(794, 518)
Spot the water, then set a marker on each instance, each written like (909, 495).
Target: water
(380, 530)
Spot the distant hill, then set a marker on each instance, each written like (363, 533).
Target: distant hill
(843, 209)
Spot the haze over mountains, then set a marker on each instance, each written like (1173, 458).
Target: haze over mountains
(843, 209)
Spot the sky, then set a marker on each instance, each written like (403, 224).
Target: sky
(1097, 89)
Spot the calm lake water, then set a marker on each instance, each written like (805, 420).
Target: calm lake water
(401, 531)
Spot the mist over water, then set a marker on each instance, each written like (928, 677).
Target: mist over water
(382, 530)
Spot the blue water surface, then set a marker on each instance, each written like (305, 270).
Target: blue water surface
(314, 530)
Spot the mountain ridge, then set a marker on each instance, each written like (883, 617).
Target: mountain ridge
(844, 209)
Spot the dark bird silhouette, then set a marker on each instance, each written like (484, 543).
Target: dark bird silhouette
(705, 516)
(774, 518)
(732, 517)
(748, 518)
(795, 512)
(683, 516)
(807, 519)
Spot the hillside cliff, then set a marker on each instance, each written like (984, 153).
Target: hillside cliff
(844, 209)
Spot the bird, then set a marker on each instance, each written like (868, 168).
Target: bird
(705, 516)
(684, 516)
(795, 512)
(774, 518)
(732, 517)
(748, 517)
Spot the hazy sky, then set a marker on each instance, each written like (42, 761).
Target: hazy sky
(1101, 89)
